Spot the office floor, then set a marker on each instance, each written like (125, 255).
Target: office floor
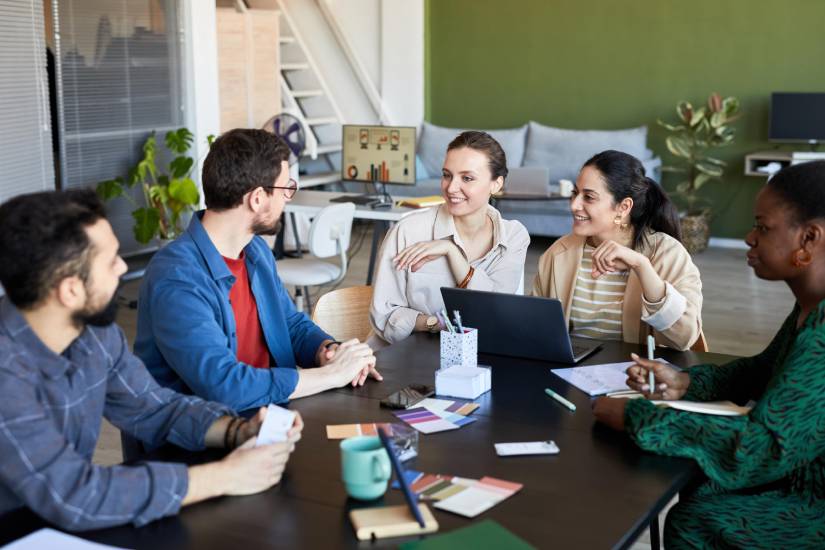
(741, 313)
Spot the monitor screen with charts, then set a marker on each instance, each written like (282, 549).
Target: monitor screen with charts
(384, 154)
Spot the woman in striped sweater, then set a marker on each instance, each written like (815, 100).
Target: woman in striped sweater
(623, 273)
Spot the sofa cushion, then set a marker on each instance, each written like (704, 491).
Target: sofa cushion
(433, 141)
(564, 151)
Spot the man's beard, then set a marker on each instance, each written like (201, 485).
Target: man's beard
(102, 317)
(261, 228)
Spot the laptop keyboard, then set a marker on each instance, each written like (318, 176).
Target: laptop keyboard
(580, 349)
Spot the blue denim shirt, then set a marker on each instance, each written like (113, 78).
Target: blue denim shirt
(51, 408)
(186, 327)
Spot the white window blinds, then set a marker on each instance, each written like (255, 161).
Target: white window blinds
(26, 162)
(120, 73)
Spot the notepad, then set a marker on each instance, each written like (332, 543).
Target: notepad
(484, 535)
(718, 408)
(599, 379)
(422, 202)
(390, 521)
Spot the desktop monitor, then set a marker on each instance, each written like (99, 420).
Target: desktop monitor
(797, 117)
(378, 154)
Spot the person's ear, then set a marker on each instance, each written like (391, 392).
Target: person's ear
(70, 292)
(255, 199)
(813, 236)
(498, 184)
(625, 206)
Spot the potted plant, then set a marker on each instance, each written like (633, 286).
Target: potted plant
(166, 195)
(692, 139)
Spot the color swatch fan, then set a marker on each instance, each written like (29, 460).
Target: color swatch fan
(291, 130)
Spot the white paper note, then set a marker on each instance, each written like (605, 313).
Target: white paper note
(598, 379)
(527, 448)
(277, 423)
(51, 538)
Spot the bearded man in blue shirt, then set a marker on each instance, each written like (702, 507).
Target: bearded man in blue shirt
(213, 316)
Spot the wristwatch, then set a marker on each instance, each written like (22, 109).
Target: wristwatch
(432, 324)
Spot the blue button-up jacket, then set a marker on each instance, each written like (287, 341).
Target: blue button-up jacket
(186, 327)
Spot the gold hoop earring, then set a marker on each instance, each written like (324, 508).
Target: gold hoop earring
(801, 258)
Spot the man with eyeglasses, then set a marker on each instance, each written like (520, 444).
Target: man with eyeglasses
(213, 317)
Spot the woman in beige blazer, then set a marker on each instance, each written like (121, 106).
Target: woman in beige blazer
(625, 233)
(463, 243)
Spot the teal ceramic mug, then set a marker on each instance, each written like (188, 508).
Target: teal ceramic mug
(365, 467)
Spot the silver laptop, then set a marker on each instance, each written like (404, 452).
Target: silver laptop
(529, 180)
(519, 326)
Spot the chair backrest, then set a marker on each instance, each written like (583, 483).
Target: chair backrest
(700, 344)
(344, 313)
(331, 225)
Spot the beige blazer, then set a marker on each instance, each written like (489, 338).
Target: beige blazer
(675, 322)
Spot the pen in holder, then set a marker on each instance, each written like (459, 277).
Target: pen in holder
(459, 348)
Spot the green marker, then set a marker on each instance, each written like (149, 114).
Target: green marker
(560, 399)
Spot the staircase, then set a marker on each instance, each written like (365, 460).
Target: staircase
(305, 94)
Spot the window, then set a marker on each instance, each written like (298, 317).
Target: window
(119, 70)
(26, 162)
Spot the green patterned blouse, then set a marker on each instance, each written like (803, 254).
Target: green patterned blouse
(780, 444)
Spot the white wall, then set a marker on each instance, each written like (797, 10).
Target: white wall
(201, 83)
(388, 38)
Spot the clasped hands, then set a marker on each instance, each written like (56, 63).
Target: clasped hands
(330, 351)
(611, 256)
(670, 384)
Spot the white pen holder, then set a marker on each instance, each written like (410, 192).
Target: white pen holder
(459, 348)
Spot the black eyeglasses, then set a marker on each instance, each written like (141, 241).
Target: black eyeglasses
(289, 190)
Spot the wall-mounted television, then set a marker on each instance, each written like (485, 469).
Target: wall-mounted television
(797, 117)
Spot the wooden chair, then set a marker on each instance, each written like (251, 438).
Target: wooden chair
(700, 344)
(344, 313)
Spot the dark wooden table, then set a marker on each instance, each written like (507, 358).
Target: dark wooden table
(601, 491)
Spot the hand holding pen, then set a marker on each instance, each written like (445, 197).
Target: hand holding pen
(669, 384)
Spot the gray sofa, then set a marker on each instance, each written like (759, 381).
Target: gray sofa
(562, 152)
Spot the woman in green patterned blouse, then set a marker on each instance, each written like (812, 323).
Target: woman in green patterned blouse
(765, 471)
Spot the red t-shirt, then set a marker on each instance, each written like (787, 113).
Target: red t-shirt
(252, 348)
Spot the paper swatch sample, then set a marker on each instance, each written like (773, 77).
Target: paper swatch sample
(276, 424)
(427, 420)
(463, 496)
(343, 431)
(599, 379)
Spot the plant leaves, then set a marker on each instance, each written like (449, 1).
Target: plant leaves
(677, 146)
(730, 105)
(180, 166)
(675, 169)
(698, 116)
(683, 187)
(184, 190)
(147, 224)
(715, 102)
(685, 111)
(709, 169)
(110, 189)
(717, 162)
(701, 180)
(671, 127)
(210, 139)
(179, 141)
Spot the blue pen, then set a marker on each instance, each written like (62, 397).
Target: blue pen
(412, 500)
(457, 316)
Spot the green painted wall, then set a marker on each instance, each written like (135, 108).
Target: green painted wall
(621, 63)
